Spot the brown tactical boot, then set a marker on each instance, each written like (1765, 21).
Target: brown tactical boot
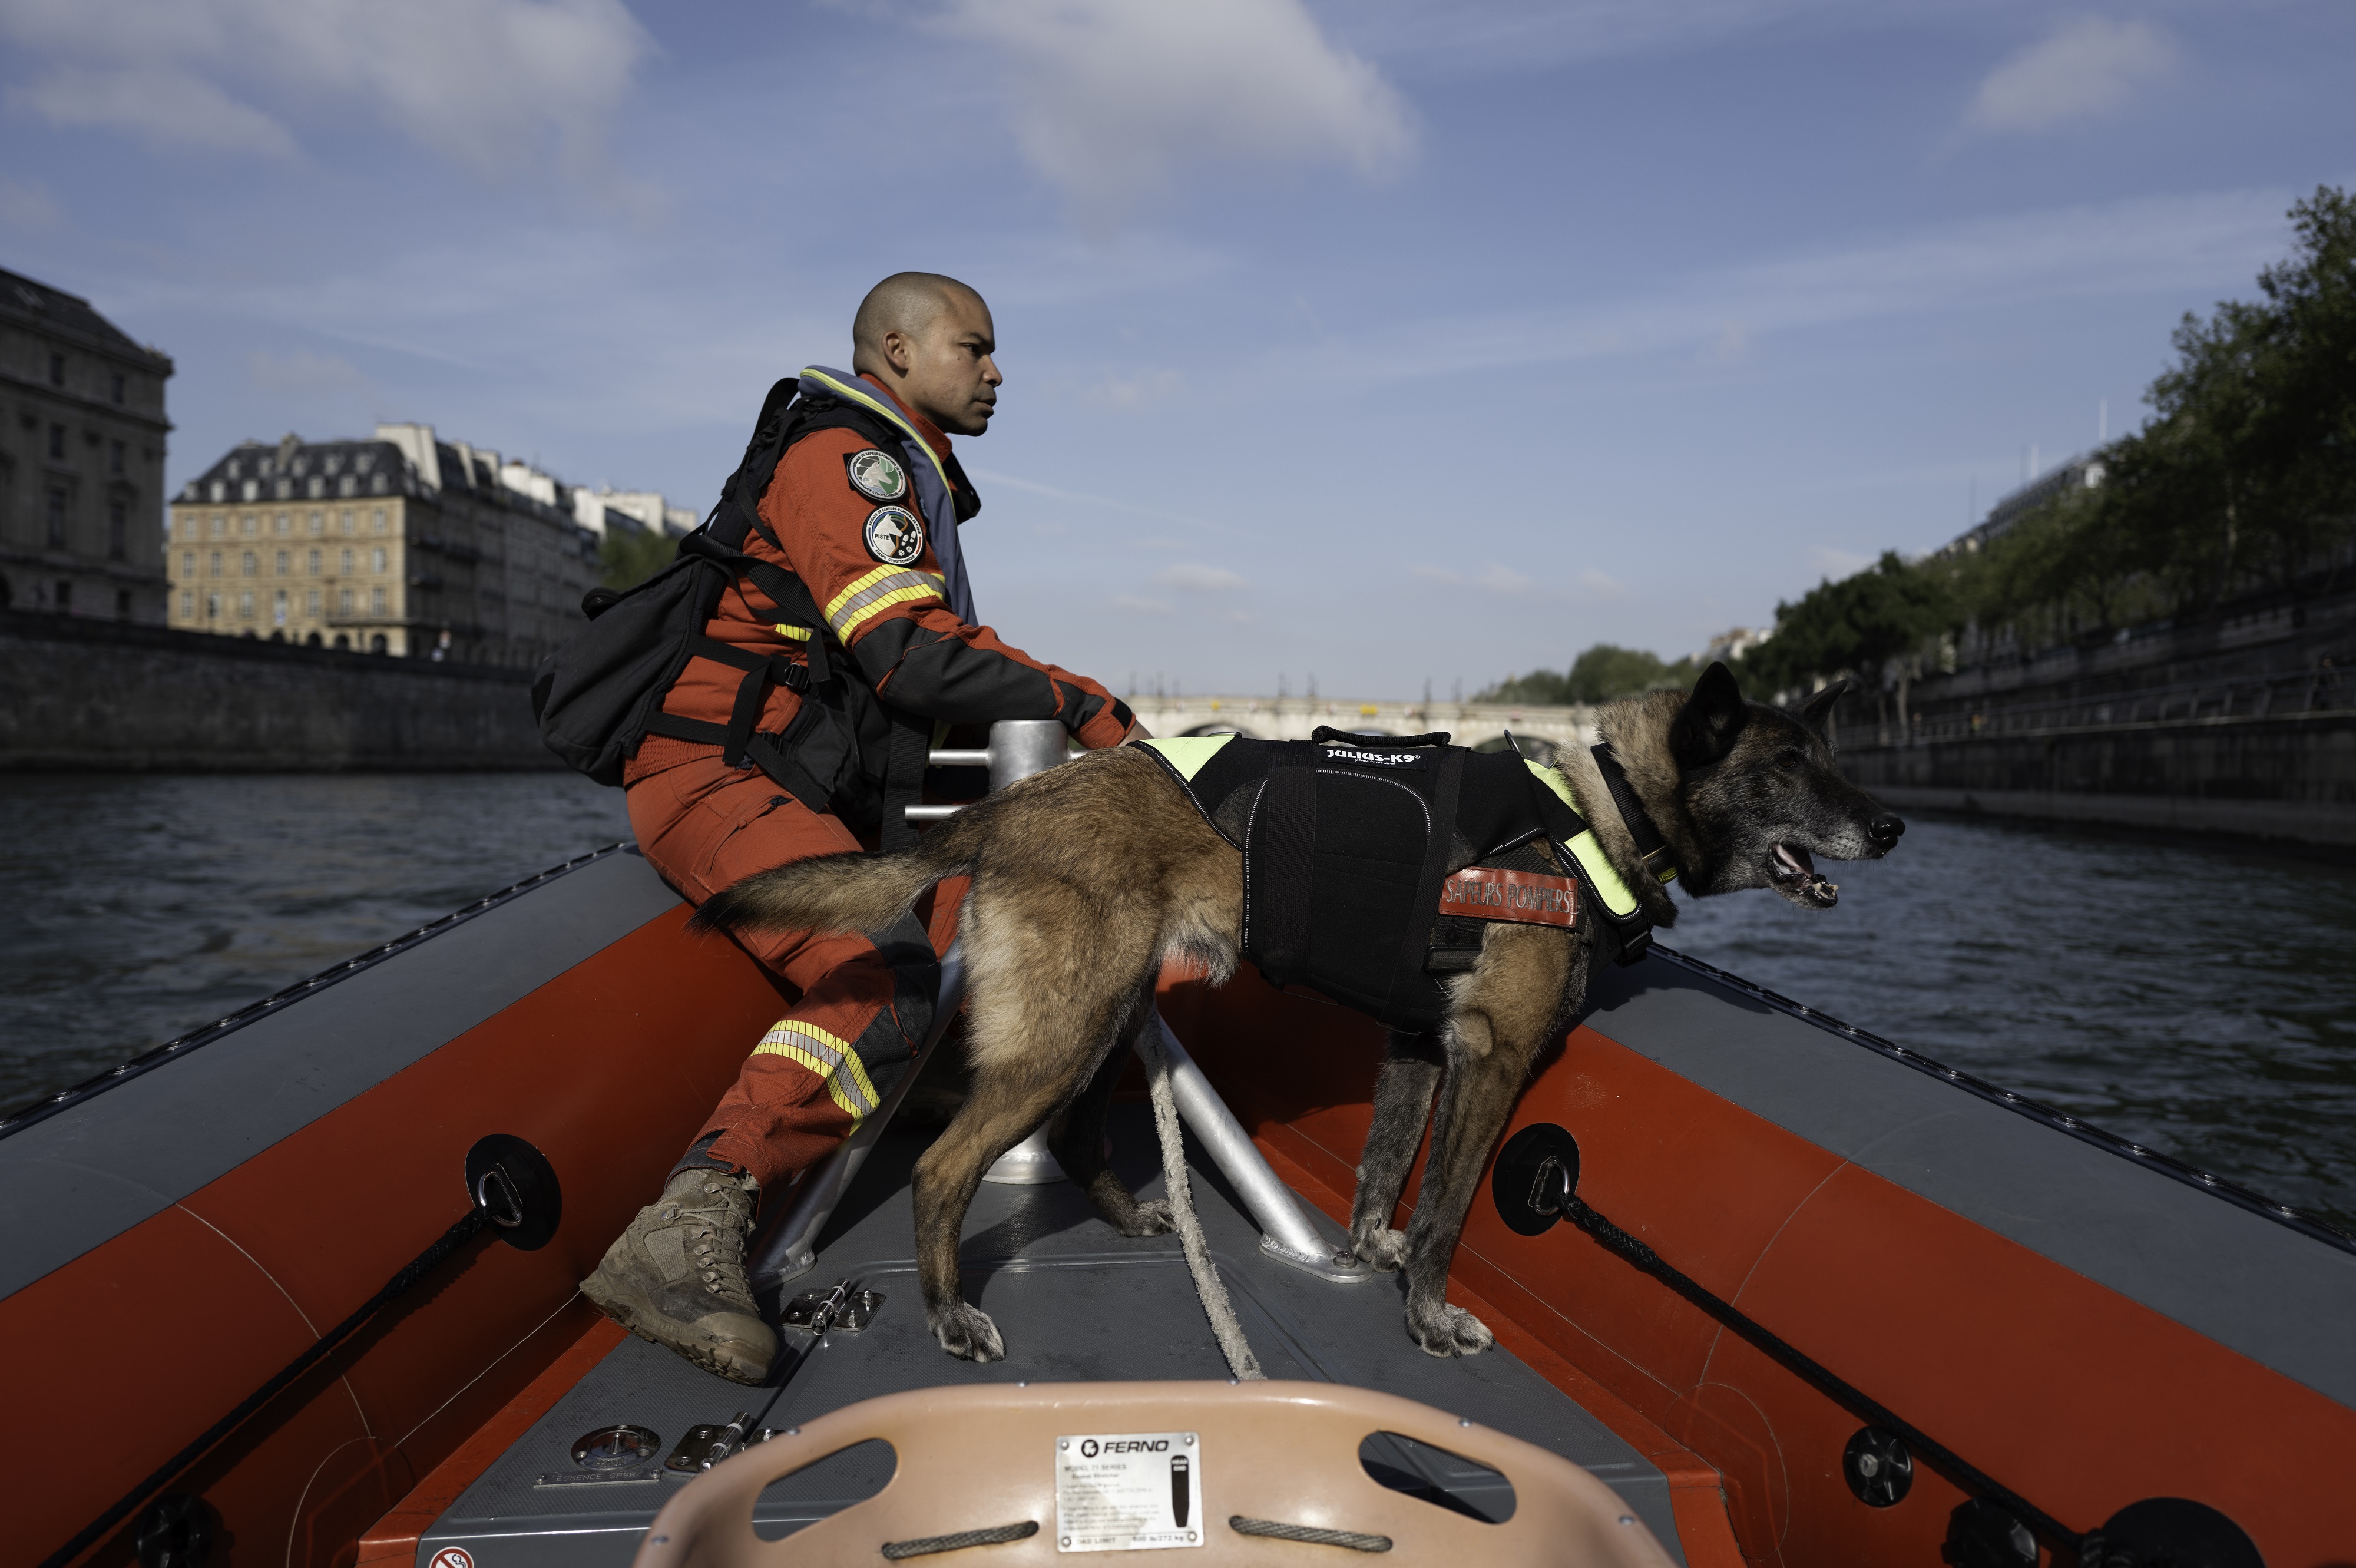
(676, 1277)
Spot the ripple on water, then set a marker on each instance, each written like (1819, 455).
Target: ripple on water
(134, 909)
(2196, 998)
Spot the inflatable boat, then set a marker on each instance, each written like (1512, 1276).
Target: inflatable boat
(299, 1288)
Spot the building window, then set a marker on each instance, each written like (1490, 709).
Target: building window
(64, 594)
(114, 387)
(249, 525)
(57, 443)
(311, 563)
(283, 524)
(216, 569)
(188, 564)
(377, 644)
(188, 606)
(348, 524)
(212, 607)
(348, 563)
(286, 489)
(316, 525)
(311, 603)
(221, 523)
(376, 601)
(378, 516)
(284, 563)
(245, 605)
(57, 519)
(376, 559)
(247, 566)
(278, 608)
(217, 490)
(56, 370)
(117, 530)
(349, 484)
(344, 602)
(376, 484)
(249, 490)
(123, 604)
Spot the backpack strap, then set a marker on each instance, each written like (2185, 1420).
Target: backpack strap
(1409, 983)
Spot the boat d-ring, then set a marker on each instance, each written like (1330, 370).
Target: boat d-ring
(1536, 1175)
(515, 1186)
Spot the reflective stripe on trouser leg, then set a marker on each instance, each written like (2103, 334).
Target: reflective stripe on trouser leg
(829, 1062)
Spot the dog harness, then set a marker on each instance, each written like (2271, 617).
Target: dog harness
(1373, 864)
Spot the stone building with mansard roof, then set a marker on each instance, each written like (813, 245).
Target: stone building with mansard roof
(402, 543)
(81, 460)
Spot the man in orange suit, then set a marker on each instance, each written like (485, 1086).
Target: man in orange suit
(862, 515)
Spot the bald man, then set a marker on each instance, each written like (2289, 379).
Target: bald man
(854, 553)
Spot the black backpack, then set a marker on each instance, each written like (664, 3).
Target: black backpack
(600, 695)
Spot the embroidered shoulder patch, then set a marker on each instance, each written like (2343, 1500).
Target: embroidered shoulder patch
(874, 474)
(894, 536)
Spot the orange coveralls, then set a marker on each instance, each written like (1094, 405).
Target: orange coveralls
(860, 1011)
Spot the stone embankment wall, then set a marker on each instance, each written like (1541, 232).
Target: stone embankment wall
(2243, 723)
(105, 697)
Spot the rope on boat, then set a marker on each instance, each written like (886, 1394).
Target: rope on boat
(1213, 1291)
(1308, 1533)
(416, 1269)
(995, 1535)
(1628, 1248)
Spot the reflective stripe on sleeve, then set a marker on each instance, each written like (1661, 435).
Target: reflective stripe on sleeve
(869, 596)
(829, 1056)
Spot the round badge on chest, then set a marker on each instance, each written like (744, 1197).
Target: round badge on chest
(875, 476)
(894, 536)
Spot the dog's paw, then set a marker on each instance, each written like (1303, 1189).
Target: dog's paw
(1382, 1250)
(966, 1332)
(1445, 1330)
(1150, 1217)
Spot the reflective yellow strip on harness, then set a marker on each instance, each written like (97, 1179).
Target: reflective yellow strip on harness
(1185, 754)
(1588, 852)
(828, 1056)
(880, 406)
(869, 596)
(792, 633)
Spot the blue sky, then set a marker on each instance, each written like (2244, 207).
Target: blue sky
(1383, 341)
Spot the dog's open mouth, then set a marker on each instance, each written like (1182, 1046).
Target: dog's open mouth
(1794, 872)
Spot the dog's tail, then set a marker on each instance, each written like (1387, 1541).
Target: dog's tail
(859, 890)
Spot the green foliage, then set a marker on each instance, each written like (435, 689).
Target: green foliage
(2244, 477)
(1602, 674)
(1887, 611)
(628, 559)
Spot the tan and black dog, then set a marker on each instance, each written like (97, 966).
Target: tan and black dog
(1088, 878)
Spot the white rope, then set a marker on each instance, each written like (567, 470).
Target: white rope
(1207, 1283)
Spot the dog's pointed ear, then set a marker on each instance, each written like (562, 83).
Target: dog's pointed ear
(1705, 729)
(1818, 708)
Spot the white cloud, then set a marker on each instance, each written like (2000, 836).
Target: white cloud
(1136, 605)
(1837, 564)
(1127, 392)
(2088, 68)
(27, 204)
(1601, 585)
(302, 370)
(2161, 245)
(1111, 98)
(1198, 578)
(496, 84)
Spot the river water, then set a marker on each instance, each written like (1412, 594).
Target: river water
(2199, 999)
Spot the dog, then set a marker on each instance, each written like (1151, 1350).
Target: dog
(1088, 878)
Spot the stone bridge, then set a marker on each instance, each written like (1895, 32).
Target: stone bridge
(1293, 718)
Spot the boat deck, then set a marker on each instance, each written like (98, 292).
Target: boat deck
(1074, 1302)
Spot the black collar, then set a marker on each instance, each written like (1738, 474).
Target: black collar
(1660, 860)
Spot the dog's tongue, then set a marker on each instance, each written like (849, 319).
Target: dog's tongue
(1796, 860)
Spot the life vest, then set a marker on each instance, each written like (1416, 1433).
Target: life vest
(1373, 863)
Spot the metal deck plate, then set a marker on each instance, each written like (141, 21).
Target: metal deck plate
(1074, 1302)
